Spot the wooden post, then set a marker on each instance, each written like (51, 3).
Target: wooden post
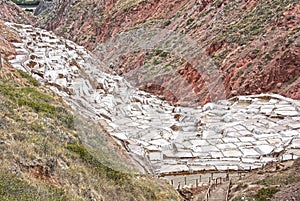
(172, 182)
(178, 187)
(184, 180)
(292, 156)
(0, 61)
(212, 175)
(196, 182)
(200, 178)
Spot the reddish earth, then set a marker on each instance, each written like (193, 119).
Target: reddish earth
(291, 192)
(246, 47)
(7, 36)
(12, 13)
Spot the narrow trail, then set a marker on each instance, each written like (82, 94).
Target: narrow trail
(219, 192)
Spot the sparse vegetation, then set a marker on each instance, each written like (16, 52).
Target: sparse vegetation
(268, 57)
(161, 53)
(13, 188)
(156, 62)
(190, 21)
(79, 149)
(265, 194)
(43, 157)
(30, 79)
(264, 186)
(30, 97)
(167, 23)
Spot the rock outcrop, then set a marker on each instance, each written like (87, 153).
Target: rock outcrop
(12, 13)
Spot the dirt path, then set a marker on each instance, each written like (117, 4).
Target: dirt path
(219, 193)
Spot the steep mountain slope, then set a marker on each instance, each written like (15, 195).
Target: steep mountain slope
(50, 150)
(278, 181)
(12, 13)
(198, 51)
(240, 133)
(42, 155)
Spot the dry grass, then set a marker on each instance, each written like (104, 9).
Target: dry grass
(263, 185)
(43, 158)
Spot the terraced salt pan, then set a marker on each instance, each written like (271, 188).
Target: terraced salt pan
(243, 132)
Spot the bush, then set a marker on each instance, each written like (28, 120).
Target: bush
(27, 96)
(167, 23)
(30, 79)
(118, 177)
(265, 194)
(190, 21)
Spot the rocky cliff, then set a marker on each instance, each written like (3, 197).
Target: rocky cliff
(230, 47)
(12, 13)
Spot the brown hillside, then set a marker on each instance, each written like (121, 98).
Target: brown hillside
(42, 155)
(12, 13)
(215, 49)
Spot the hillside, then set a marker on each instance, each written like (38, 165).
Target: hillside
(147, 93)
(192, 52)
(12, 13)
(276, 181)
(239, 134)
(42, 152)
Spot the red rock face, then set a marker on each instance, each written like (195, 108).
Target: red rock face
(245, 47)
(7, 36)
(12, 13)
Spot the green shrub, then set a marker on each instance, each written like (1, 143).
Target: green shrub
(161, 53)
(118, 177)
(164, 54)
(29, 10)
(158, 52)
(27, 96)
(30, 79)
(156, 62)
(265, 194)
(167, 23)
(190, 21)
(268, 57)
(68, 120)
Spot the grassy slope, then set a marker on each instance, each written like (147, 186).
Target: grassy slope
(43, 158)
(273, 182)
